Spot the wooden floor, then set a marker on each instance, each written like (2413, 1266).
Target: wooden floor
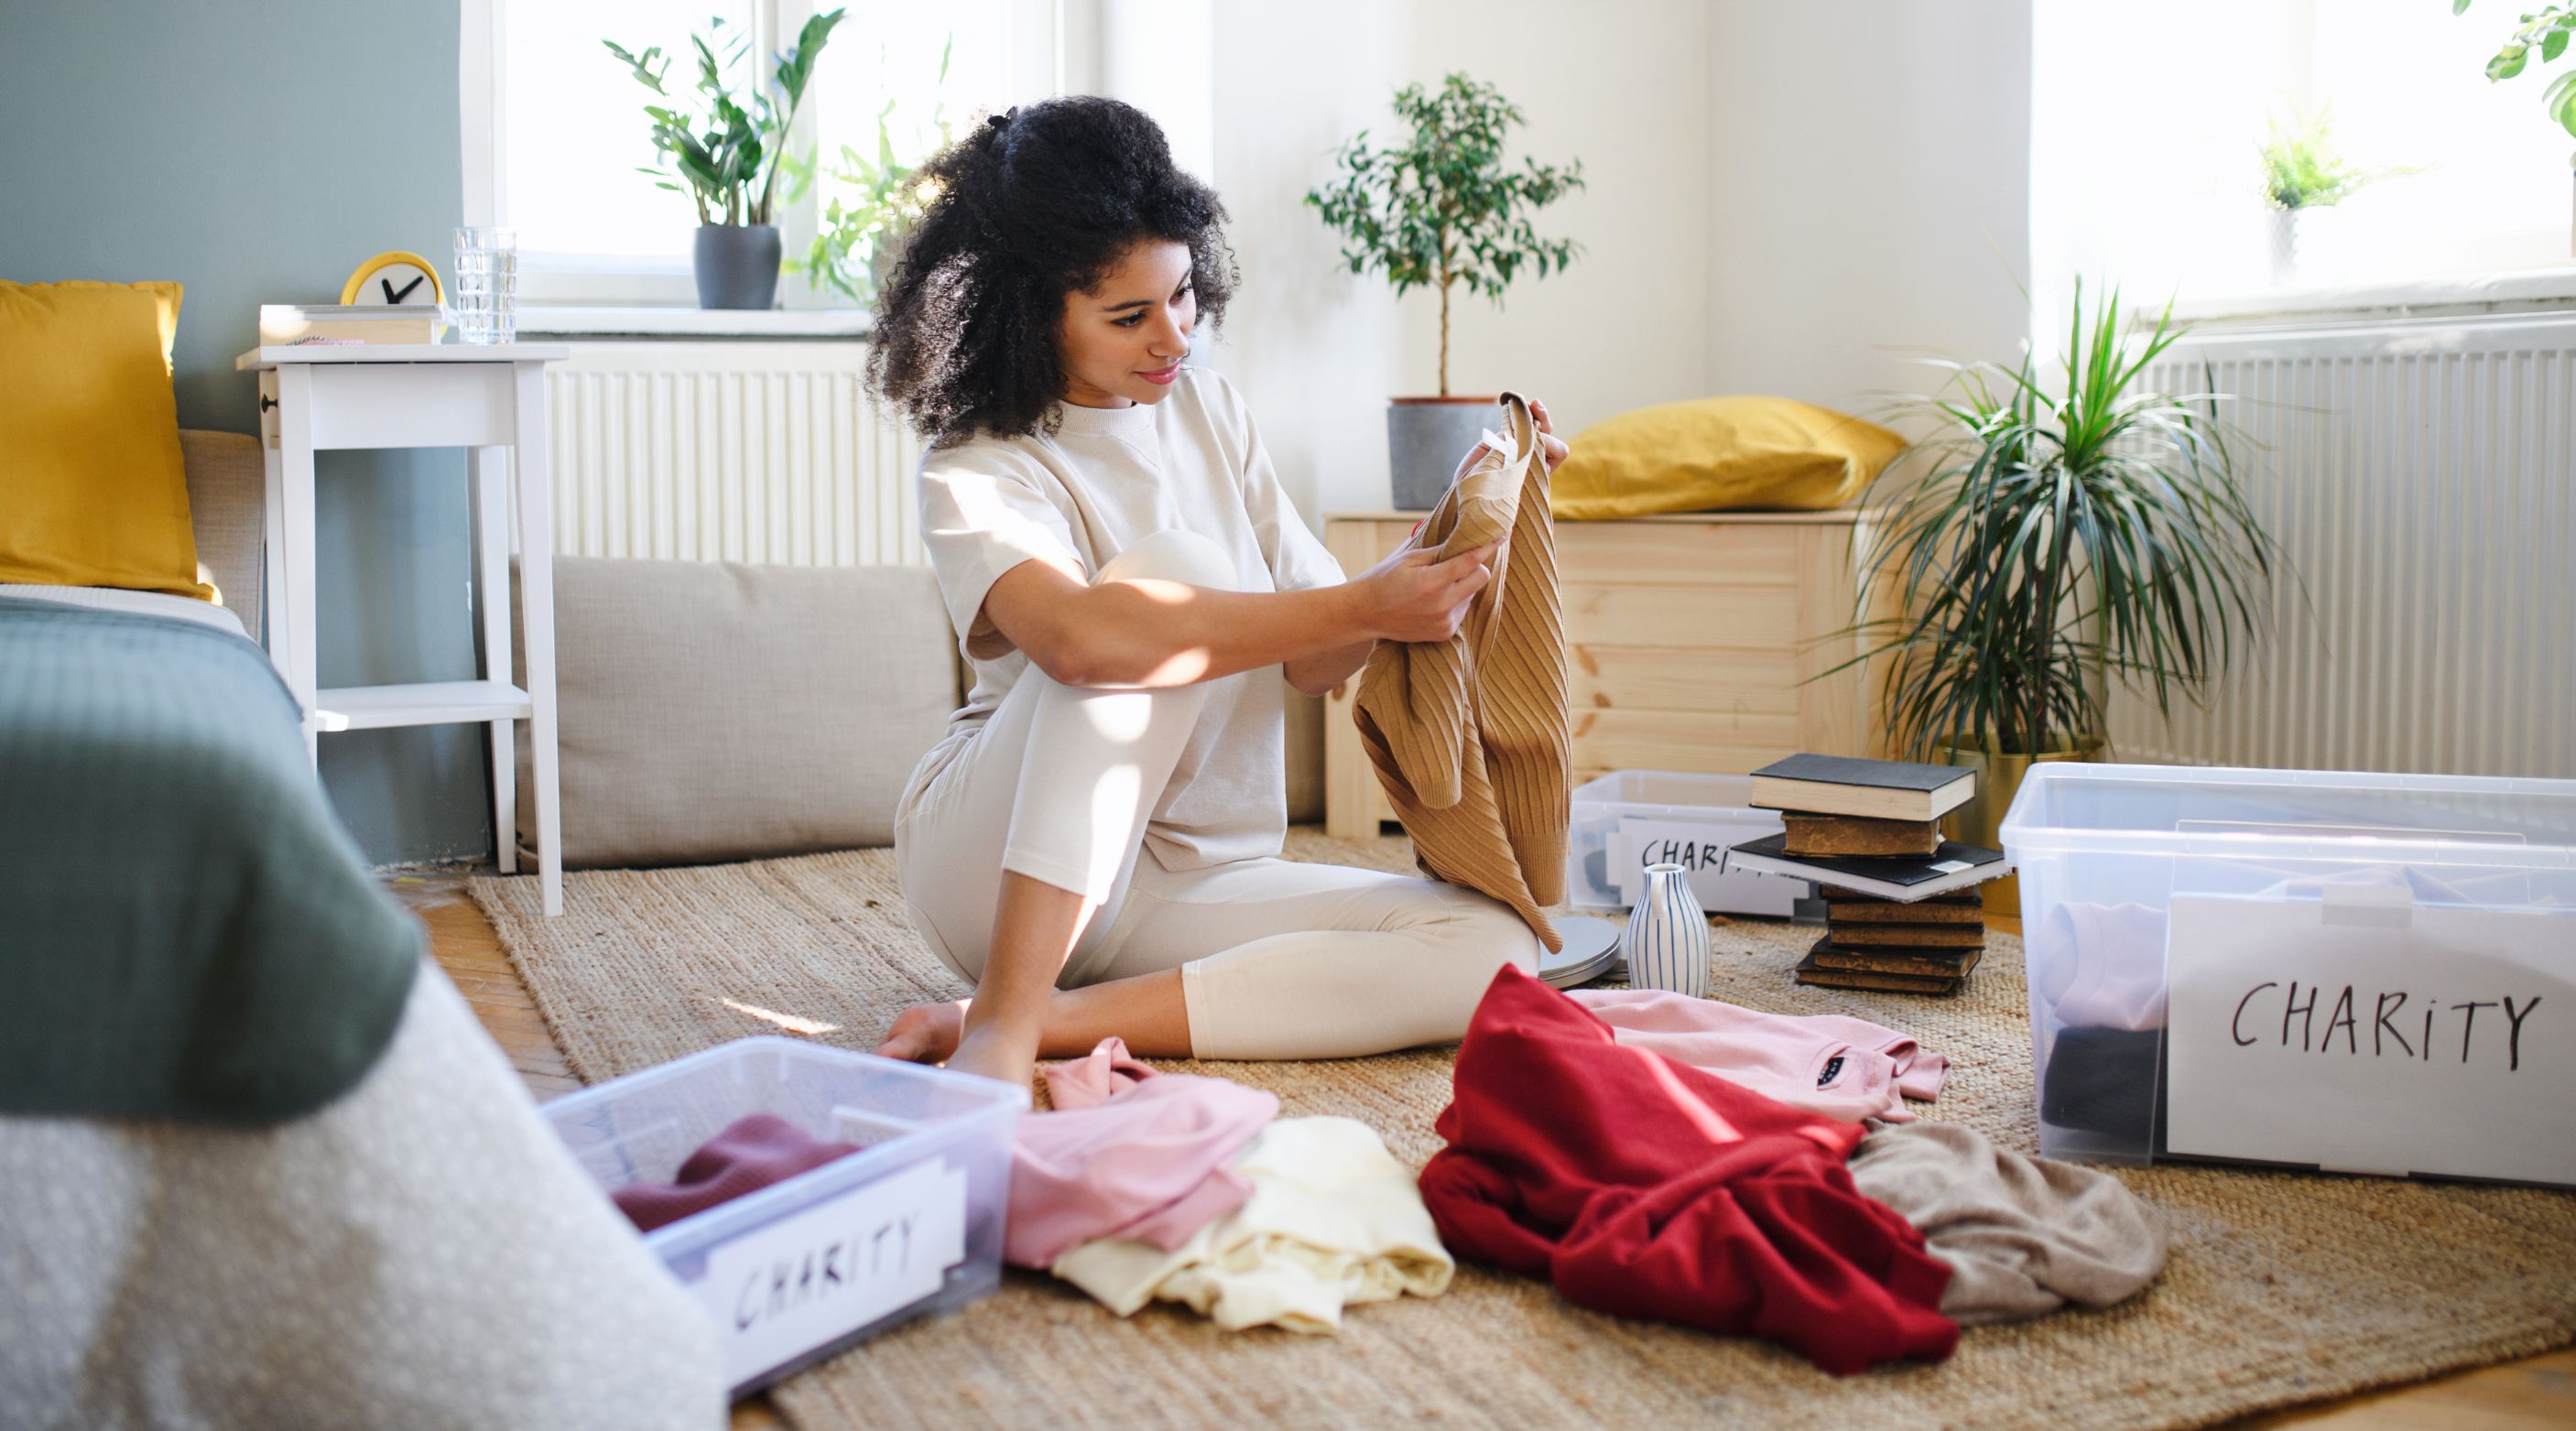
(2538, 1392)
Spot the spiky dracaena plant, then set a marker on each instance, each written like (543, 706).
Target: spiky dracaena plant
(2039, 537)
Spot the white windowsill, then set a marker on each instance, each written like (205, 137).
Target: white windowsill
(606, 322)
(2523, 291)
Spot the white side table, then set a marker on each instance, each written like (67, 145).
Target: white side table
(488, 400)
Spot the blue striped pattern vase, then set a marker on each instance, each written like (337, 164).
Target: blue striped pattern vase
(1667, 944)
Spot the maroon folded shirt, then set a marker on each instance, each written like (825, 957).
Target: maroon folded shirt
(750, 1154)
(1646, 1188)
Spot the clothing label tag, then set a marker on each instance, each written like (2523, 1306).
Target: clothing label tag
(832, 1268)
(2444, 1043)
(1833, 1068)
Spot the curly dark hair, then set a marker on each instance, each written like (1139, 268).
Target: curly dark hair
(1034, 204)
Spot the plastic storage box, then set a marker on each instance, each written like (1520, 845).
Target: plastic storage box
(1629, 819)
(804, 1268)
(2355, 972)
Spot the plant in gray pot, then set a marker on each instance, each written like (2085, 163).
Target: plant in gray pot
(725, 156)
(1438, 210)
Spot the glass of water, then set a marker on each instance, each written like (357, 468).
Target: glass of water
(487, 285)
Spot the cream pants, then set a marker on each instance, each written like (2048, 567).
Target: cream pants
(1278, 959)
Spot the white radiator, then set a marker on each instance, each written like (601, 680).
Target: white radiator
(751, 452)
(2421, 478)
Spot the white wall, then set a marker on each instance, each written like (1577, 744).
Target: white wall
(1319, 350)
(1782, 198)
(1871, 192)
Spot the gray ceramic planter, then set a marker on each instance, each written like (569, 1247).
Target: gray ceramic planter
(1425, 437)
(737, 265)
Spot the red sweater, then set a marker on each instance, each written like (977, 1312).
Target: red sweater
(1645, 1188)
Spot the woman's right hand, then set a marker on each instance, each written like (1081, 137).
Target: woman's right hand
(1415, 596)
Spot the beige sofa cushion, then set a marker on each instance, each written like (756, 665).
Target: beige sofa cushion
(718, 711)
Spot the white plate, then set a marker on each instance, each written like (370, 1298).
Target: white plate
(1591, 950)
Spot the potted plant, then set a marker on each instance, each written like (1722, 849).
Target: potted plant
(2301, 173)
(1439, 210)
(726, 156)
(2039, 542)
(876, 196)
(2545, 30)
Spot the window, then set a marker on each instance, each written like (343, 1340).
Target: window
(2145, 125)
(555, 129)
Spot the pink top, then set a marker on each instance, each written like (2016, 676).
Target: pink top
(1128, 1153)
(1829, 1064)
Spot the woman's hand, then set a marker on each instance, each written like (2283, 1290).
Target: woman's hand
(1415, 596)
(1549, 443)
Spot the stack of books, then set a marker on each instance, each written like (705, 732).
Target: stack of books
(1901, 908)
(1927, 947)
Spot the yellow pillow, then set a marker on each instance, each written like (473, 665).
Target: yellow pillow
(92, 488)
(1719, 454)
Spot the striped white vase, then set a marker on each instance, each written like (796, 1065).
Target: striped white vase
(1667, 944)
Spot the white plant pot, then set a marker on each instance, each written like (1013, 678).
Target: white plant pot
(2285, 247)
(1667, 943)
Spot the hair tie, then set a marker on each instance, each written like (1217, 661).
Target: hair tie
(1003, 120)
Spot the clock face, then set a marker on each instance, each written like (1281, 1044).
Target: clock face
(393, 279)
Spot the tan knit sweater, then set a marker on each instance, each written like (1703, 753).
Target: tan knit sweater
(1469, 735)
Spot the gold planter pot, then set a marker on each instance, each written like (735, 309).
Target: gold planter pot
(1981, 820)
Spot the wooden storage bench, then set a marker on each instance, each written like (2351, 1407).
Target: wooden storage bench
(1687, 639)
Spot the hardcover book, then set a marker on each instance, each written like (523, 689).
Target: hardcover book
(1873, 789)
(1953, 866)
(1850, 835)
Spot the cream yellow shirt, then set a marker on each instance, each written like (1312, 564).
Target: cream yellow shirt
(1077, 498)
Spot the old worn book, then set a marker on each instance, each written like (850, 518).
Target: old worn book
(1873, 789)
(1908, 936)
(1918, 963)
(1812, 973)
(1850, 835)
(1963, 907)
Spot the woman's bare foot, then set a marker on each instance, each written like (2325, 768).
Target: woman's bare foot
(925, 1033)
(995, 1053)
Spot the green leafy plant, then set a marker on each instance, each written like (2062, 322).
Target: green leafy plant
(725, 156)
(2545, 30)
(2301, 169)
(2039, 537)
(1441, 208)
(876, 196)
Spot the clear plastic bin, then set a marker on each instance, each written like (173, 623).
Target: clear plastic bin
(803, 1268)
(1629, 819)
(2355, 972)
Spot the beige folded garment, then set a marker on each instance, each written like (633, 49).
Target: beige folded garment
(2022, 1235)
(1334, 1221)
(1469, 735)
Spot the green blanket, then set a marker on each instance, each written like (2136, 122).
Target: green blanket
(185, 930)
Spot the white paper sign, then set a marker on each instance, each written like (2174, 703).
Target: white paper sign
(835, 1267)
(2368, 1036)
(1700, 848)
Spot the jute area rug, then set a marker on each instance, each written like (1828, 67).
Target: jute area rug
(2282, 1288)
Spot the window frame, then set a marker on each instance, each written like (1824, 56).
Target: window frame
(1042, 36)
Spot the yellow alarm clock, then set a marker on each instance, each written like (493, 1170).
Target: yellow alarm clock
(394, 278)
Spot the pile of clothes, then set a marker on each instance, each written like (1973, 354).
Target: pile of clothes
(1593, 1147)
(1650, 1154)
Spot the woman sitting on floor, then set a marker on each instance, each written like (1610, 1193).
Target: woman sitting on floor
(1129, 583)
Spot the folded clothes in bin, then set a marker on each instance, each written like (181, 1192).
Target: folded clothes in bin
(750, 1154)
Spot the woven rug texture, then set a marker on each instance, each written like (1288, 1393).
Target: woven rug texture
(2281, 1287)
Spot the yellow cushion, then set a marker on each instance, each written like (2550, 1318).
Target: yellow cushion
(1718, 454)
(92, 488)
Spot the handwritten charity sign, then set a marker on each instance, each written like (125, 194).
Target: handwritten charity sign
(2374, 1037)
(830, 1269)
(1699, 847)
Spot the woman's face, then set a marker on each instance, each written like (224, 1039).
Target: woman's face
(1123, 341)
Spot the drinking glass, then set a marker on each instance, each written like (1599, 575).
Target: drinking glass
(487, 285)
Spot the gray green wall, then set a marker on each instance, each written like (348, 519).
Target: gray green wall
(256, 151)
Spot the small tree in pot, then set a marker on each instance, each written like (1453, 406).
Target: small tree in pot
(726, 156)
(1441, 210)
(2039, 541)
